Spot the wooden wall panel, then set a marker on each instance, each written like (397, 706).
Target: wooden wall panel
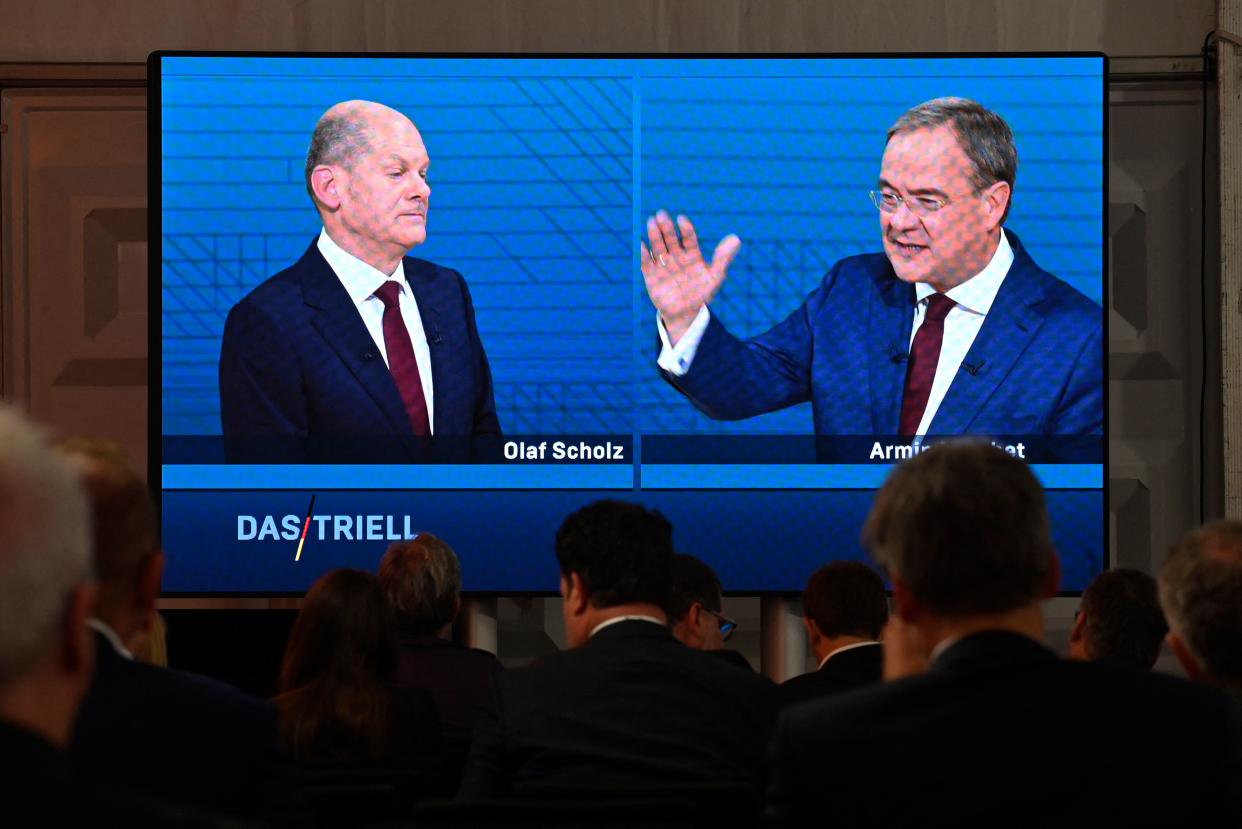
(75, 261)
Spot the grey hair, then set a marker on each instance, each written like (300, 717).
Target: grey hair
(422, 578)
(983, 135)
(337, 139)
(45, 548)
(1201, 592)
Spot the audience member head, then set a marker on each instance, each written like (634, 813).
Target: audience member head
(46, 587)
(1201, 591)
(422, 578)
(338, 666)
(964, 534)
(844, 603)
(694, 610)
(1119, 621)
(616, 559)
(125, 531)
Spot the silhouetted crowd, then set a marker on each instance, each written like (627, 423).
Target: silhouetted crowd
(939, 706)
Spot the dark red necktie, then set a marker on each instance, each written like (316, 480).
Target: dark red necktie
(401, 360)
(924, 355)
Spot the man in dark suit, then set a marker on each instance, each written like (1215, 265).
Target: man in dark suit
(1201, 592)
(627, 706)
(953, 329)
(183, 738)
(1119, 621)
(988, 726)
(422, 578)
(844, 609)
(357, 350)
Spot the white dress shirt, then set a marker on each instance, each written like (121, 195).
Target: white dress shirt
(101, 627)
(974, 299)
(843, 649)
(618, 619)
(361, 281)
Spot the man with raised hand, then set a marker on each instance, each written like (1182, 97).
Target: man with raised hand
(952, 329)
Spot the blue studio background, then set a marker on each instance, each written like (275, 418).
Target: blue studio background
(543, 172)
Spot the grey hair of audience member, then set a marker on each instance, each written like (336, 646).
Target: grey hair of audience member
(422, 579)
(45, 548)
(1201, 592)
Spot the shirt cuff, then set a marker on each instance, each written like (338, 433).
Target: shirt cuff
(676, 359)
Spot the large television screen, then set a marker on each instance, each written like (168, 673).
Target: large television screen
(467, 295)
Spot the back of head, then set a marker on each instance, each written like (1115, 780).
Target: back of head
(340, 660)
(846, 598)
(964, 527)
(693, 581)
(1201, 591)
(623, 553)
(1124, 624)
(44, 545)
(125, 526)
(422, 579)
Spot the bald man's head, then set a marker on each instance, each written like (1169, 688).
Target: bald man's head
(366, 171)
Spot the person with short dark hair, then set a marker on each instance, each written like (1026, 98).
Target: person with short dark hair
(844, 609)
(176, 736)
(695, 611)
(422, 580)
(339, 700)
(1201, 592)
(1119, 621)
(964, 533)
(627, 706)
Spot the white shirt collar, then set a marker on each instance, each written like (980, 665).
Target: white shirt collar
(616, 619)
(979, 292)
(844, 648)
(108, 633)
(360, 279)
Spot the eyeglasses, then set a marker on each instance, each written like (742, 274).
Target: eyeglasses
(727, 625)
(888, 202)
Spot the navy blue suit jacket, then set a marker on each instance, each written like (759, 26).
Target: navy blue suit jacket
(300, 373)
(1036, 367)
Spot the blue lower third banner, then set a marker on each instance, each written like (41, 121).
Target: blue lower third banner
(831, 476)
(757, 541)
(420, 476)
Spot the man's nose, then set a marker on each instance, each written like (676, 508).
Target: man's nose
(903, 217)
(419, 189)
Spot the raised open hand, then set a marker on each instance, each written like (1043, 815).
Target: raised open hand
(678, 279)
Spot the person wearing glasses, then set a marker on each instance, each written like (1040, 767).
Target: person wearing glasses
(694, 612)
(952, 329)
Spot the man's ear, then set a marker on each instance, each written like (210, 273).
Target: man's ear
(1190, 663)
(325, 184)
(148, 590)
(577, 597)
(995, 199)
(1052, 581)
(77, 647)
(812, 630)
(456, 609)
(905, 606)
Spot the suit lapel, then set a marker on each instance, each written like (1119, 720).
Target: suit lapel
(1010, 326)
(419, 276)
(336, 319)
(889, 317)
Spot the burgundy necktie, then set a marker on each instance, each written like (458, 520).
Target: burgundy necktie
(924, 355)
(401, 360)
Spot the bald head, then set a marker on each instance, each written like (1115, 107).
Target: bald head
(346, 132)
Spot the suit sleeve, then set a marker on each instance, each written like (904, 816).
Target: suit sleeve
(1080, 411)
(485, 420)
(733, 379)
(260, 385)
